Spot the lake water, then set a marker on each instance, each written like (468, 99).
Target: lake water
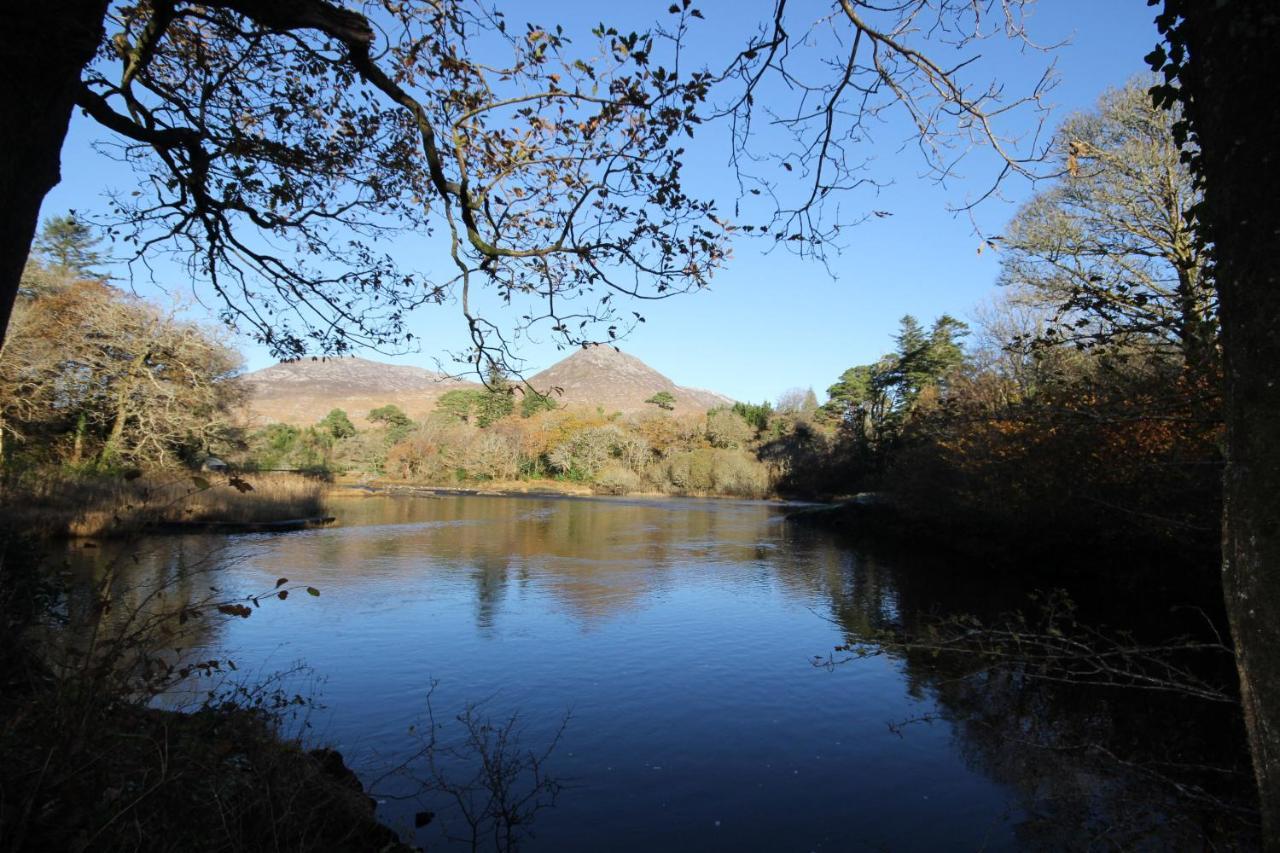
(675, 641)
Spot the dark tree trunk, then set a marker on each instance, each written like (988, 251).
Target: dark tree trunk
(44, 45)
(1230, 83)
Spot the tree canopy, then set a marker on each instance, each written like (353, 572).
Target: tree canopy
(663, 400)
(122, 379)
(69, 246)
(551, 173)
(1110, 247)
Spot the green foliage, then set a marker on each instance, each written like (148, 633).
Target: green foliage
(278, 440)
(852, 390)
(533, 402)
(67, 244)
(924, 360)
(588, 451)
(756, 414)
(336, 424)
(482, 407)
(663, 400)
(286, 447)
(390, 415)
(458, 406)
(495, 404)
(714, 471)
(728, 429)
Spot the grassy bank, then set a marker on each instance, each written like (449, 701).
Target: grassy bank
(58, 503)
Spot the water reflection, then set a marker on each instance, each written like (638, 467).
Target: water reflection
(679, 633)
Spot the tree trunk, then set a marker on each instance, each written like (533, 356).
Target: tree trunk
(1231, 89)
(77, 448)
(43, 48)
(132, 376)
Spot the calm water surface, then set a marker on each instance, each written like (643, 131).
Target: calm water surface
(678, 638)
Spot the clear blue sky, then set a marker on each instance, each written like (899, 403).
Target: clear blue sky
(773, 321)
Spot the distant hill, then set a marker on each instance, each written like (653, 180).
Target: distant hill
(303, 392)
(603, 376)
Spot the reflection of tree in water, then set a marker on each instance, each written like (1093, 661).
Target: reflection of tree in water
(145, 586)
(146, 617)
(595, 558)
(1107, 768)
(491, 574)
(1092, 766)
(1095, 766)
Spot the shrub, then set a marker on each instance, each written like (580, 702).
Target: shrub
(712, 471)
(588, 451)
(727, 429)
(492, 455)
(616, 480)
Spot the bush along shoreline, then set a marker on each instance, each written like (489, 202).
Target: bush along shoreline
(91, 762)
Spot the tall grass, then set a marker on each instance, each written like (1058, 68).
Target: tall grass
(58, 503)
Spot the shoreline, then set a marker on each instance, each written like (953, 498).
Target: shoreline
(526, 489)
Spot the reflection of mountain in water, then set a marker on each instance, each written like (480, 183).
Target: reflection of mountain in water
(1090, 767)
(592, 558)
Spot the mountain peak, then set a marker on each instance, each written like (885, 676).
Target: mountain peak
(604, 376)
(301, 392)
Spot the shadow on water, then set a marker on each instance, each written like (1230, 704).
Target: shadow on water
(1137, 744)
(679, 636)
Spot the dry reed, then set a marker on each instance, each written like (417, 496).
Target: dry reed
(68, 505)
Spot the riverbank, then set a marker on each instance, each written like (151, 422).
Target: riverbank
(988, 543)
(354, 487)
(347, 486)
(90, 764)
(57, 503)
(129, 777)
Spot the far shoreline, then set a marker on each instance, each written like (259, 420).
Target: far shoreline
(522, 489)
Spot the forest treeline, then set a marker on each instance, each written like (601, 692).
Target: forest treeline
(1085, 402)
(499, 434)
(1083, 399)
(96, 380)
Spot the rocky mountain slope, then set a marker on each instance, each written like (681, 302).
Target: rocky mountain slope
(303, 392)
(603, 376)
